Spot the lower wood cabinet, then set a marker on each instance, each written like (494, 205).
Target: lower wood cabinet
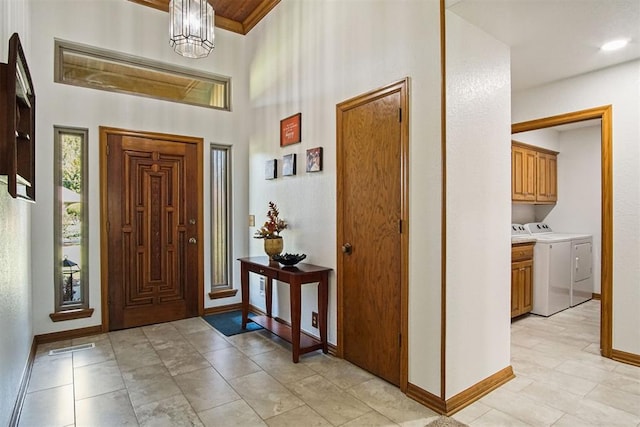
(521, 279)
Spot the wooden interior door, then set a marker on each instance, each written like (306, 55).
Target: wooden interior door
(372, 190)
(153, 229)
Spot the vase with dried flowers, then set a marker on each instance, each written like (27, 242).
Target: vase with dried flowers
(270, 231)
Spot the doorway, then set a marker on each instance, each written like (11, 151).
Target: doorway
(372, 231)
(151, 229)
(606, 270)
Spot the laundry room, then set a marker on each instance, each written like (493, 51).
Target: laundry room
(560, 211)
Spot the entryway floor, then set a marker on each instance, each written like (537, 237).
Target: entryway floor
(186, 373)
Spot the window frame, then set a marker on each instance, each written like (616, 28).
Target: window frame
(221, 290)
(62, 310)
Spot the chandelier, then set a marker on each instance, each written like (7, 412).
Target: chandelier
(191, 32)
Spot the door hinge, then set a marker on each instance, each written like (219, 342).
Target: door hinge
(400, 115)
(399, 340)
(400, 226)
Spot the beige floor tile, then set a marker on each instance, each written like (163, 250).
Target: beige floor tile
(252, 343)
(170, 412)
(231, 363)
(163, 335)
(134, 356)
(234, 414)
(127, 337)
(600, 414)
(51, 371)
(149, 384)
(616, 398)
(106, 410)
(102, 352)
(495, 418)
(391, 402)
(97, 378)
(180, 360)
(568, 420)
(49, 407)
(208, 340)
(333, 403)
(191, 325)
(522, 407)
(340, 372)
(472, 412)
(278, 364)
(301, 416)
(264, 394)
(371, 419)
(205, 389)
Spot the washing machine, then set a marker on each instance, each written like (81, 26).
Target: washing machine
(562, 269)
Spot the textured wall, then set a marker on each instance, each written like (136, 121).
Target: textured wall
(478, 205)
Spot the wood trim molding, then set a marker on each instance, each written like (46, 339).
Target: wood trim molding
(80, 313)
(258, 13)
(104, 259)
(222, 309)
(24, 383)
(533, 147)
(596, 296)
(464, 398)
(68, 335)
(605, 114)
(624, 357)
(443, 200)
(223, 293)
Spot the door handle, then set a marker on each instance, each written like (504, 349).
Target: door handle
(346, 248)
(193, 240)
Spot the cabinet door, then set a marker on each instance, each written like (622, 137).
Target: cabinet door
(521, 287)
(523, 171)
(546, 189)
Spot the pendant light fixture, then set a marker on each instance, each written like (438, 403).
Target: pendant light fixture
(192, 23)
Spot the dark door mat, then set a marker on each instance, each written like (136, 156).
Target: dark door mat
(230, 323)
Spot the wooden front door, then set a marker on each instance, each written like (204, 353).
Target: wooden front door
(372, 231)
(152, 185)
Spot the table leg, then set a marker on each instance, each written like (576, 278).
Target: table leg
(268, 285)
(323, 297)
(294, 296)
(244, 280)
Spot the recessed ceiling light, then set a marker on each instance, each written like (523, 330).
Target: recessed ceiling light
(614, 45)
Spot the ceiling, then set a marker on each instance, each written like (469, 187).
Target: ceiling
(239, 16)
(555, 39)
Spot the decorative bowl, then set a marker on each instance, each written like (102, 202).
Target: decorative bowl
(289, 259)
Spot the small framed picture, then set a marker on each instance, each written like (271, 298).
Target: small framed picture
(271, 169)
(291, 130)
(314, 159)
(289, 165)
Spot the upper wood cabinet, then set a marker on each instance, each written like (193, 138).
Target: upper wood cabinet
(533, 174)
(17, 124)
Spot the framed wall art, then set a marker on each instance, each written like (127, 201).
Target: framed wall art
(314, 159)
(291, 130)
(271, 169)
(289, 165)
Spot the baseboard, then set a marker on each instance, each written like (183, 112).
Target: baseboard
(222, 309)
(429, 400)
(462, 399)
(624, 357)
(24, 383)
(67, 335)
(596, 296)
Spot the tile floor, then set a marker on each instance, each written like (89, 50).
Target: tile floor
(186, 373)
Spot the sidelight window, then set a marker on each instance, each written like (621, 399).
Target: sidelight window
(221, 276)
(70, 224)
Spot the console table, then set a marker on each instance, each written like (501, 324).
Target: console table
(296, 276)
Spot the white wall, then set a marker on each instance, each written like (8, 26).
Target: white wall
(478, 258)
(307, 57)
(15, 247)
(142, 31)
(620, 87)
